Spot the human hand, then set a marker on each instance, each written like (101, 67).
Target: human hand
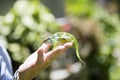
(39, 60)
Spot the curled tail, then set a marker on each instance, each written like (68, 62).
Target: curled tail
(78, 56)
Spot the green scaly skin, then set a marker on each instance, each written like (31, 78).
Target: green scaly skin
(63, 37)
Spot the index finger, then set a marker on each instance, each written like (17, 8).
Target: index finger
(51, 55)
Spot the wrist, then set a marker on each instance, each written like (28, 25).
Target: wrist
(16, 76)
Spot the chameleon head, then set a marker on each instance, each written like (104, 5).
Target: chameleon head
(48, 41)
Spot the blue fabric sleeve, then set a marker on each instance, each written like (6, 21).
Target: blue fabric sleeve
(6, 72)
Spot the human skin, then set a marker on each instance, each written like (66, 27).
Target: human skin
(39, 60)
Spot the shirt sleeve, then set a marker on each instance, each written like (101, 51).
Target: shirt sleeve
(6, 72)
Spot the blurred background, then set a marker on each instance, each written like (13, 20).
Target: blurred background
(24, 24)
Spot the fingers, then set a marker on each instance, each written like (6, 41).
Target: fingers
(51, 55)
(44, 48)
(62, 48)
(68, 45)
(57, 51)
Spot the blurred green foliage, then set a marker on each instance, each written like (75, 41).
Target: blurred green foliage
(25, 26)
(79, 7)
(106, 55)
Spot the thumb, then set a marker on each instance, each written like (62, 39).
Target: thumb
(42, 50)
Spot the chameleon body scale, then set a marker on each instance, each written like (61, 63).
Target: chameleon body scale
(63, 37)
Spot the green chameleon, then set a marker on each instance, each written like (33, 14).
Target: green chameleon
(63, 37)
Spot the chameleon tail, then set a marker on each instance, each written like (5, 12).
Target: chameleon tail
(78, 55)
